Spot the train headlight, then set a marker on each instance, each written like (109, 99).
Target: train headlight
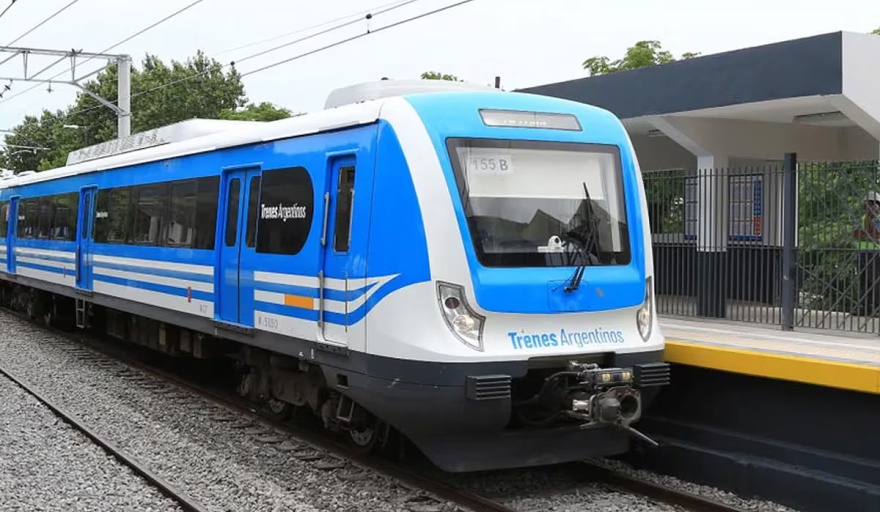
(645, 314)
(463, 321)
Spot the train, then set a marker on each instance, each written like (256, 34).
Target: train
(464, 267)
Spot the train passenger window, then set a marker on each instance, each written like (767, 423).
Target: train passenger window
(149, 210)
(87, 204)
(45, 217)
(113, 215)
(181, 225)
(4, 218)
(287, 200)
(207, 192)
(102, 216)
(27, 219)
(63, 225)
(253, 208)
(344, 201)
(232, 211)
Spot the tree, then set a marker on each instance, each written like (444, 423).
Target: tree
(642, 54)
(434, 75)
(162, 94)
(46, 131)
(265, 111)
(876, 32)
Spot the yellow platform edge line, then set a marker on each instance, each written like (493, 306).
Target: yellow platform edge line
(807, 370)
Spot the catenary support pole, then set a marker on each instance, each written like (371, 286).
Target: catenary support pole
(124, 88)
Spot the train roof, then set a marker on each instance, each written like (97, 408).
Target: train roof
(212, 138)
(350, 106)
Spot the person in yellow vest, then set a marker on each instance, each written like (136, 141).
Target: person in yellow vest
(868, 244)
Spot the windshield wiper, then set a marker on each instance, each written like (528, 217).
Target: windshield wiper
(588, 240)
(575, 281)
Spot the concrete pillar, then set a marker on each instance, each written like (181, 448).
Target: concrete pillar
(712, 232)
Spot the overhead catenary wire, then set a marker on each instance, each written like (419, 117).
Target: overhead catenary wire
(325, 31)
(7, 8)
(301, 30)
(296, 57)
(154, 25)
(40, 24)
(353, 38)
(127, 39)
(376, 10)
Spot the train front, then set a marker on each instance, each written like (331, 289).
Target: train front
(542, 274)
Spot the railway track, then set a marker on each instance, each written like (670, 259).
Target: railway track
(587, 473)
(166, 488)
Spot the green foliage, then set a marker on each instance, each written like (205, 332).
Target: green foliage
(46, 131)
(830, 207)
(665, 191)
(196, 88)
(265, 111)
(642, 54)
(876, 32)
(434, 75)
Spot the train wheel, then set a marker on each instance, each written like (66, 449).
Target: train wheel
(363, 438)
(367, 434)
(282, 410)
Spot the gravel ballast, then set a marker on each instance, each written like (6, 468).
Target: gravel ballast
(47, 465)
(228, 462)
(554, 490)
(218, 458)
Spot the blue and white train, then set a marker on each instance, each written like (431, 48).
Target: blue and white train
(467, 267)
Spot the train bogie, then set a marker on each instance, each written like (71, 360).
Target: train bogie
(471, 269)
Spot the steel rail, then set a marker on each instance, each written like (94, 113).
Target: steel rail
(166, 488)
(591, 472)
(400, 472)
(671, 496)
(102, 347)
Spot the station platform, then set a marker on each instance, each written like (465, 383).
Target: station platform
(841, 360)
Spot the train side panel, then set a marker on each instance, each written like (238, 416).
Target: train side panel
(398, 254)
(162, 236)
(309, 279)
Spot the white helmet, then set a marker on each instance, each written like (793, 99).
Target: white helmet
(873, 196)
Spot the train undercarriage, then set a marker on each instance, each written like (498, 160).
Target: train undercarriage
(589, 394)
(288, 387)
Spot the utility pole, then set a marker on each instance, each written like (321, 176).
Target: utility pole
(124, 92)
(123, 109)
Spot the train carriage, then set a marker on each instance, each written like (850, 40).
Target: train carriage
(465, 266)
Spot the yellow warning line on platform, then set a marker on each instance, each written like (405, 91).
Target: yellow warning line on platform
(808, 370)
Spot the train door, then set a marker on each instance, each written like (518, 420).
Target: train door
(85, 222)
(234, 245)
(336, 272)
(4, 228)
(11, 233)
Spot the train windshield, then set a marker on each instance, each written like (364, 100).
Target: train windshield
(542, 204)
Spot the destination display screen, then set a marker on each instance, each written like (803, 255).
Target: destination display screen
(521, 119)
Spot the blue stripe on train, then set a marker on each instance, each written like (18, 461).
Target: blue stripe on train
(44, 268)
(52, 259)
(153, 287)
(156, 271)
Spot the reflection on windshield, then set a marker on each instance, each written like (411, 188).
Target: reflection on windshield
(526, 202)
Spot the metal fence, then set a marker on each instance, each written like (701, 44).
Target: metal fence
(788, 244)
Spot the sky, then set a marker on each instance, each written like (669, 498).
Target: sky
(525, 42)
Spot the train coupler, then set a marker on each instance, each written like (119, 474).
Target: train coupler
(610, 399)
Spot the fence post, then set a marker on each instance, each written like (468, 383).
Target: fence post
(789, 225)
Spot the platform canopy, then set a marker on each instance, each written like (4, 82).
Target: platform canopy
(817, 96)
